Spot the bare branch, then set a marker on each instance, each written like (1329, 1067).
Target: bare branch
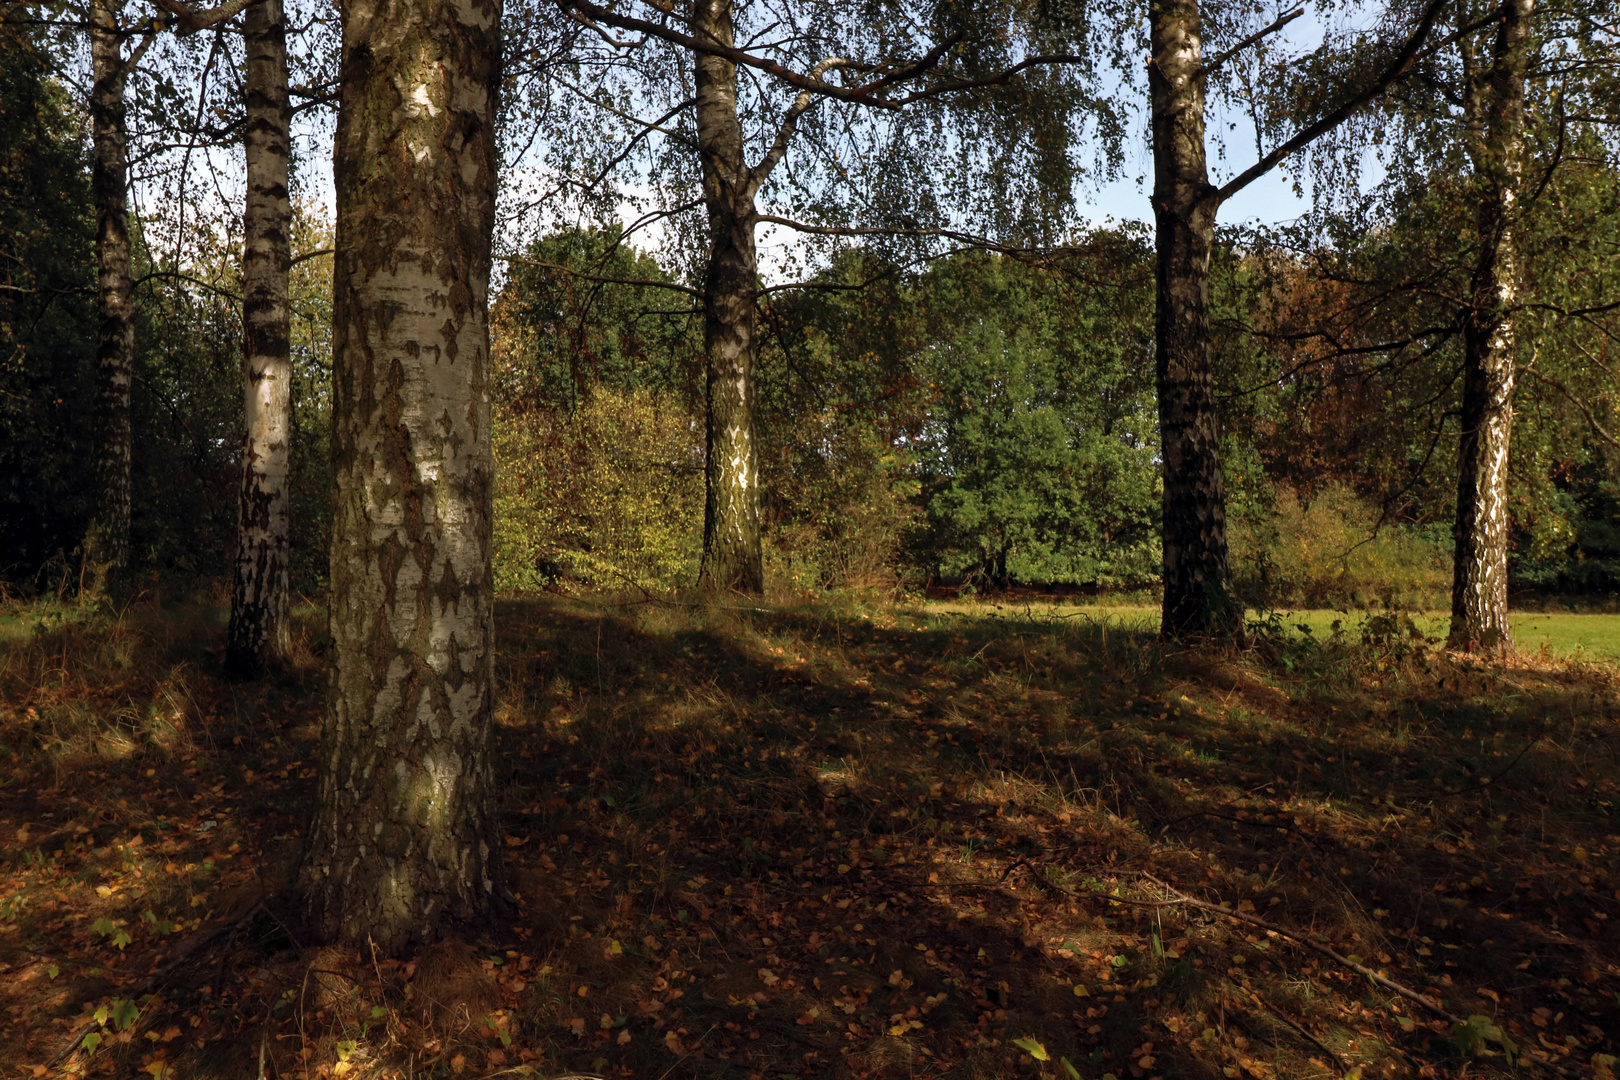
(860, 95)
(837, 230)
(140, 51)
(736, 56)
(308, 255)
(586, 22)
(176, 275)
(790, 124)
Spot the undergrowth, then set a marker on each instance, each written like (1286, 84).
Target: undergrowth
(835, 841)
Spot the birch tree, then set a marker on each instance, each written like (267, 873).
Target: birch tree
(1198, 598)
(258, 633)
(106, 540)
(404, 846)
(1494, 103)
(860, 175)
(1499, 150)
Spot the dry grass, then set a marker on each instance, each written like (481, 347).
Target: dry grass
(828, 841)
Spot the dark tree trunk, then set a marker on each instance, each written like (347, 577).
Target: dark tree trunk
(106, 541)
(732, 557)
(1479, 596)
(258, 635)
(1198, 598)
(404, 846)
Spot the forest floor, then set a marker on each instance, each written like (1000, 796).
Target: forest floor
(835, 841)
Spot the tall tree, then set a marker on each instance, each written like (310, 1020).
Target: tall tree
(1494, 104)
(404, 846)
(106, 541)
(883, 66)
(258, 634)
(1198, 598)
(1197, 567)
(732, 554)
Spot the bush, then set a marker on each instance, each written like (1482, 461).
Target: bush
(841, 511)
(609, 496)
(1329, 551)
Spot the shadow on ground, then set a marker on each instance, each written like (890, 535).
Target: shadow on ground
(834, 841)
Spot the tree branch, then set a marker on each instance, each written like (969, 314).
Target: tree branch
(1404, 61)
(1281, 21)
(790, 124)
(860, 95)
(838, 230)
(192, 21)
(1591, 421)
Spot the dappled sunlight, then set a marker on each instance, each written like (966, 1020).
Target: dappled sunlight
(846, 840)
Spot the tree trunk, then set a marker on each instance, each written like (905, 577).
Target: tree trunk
(1479, 596)
(258, 635)
(106, 541)
(404, 846)
(732, 557)
(1198, 600)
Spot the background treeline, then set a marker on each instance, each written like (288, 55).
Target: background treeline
(981, 419)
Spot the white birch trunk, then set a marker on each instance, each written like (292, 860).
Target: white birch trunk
(258, 634)
(405, 845)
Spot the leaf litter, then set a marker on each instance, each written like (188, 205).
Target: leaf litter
(838, 840)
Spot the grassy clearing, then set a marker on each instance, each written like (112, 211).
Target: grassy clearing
(834, 841)
(1592, 636)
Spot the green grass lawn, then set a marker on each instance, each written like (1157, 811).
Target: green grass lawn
(1580, 636)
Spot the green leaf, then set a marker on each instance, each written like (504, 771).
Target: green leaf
(1032, 1048)
(90, 1042)
(1068, 1067)
(103, 926)
(345, 1049)
(1158, 946)
(1474, 1036)
(120, 939)
(1119, 961)
(124, 1013)
(53, 971)
(379, 1011)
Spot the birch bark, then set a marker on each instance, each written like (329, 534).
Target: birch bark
(1479, 596)
(1197, 570)
(732, 553)
(106, 541)
(404, 846)
(258, 634)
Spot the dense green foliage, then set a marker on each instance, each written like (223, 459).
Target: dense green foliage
(984, 421)
(47, 314)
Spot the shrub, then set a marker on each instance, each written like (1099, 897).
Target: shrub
(842, 509)
(608, 496)
(1330, 551)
